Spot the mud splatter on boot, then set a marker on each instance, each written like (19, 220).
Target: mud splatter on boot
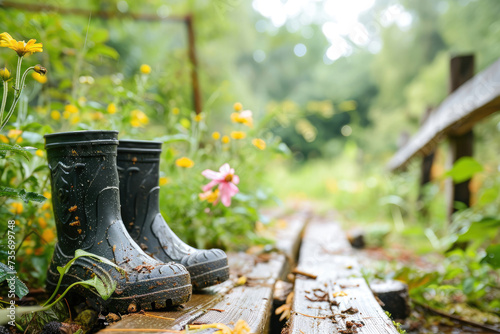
(138, 167)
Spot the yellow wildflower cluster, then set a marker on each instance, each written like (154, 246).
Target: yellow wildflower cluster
(145, 69)
(209, 196)
(184, 162)
(241, 116)
(259, 143)
(12, 134)
(138, 119)
(111, 108)
(164, 180)
(238, 135)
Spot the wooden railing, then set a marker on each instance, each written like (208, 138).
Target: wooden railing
(471, 99)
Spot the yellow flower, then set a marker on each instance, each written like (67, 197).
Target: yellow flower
(244, 117)
(176, 111)
(164, 180)
(66, 114)
(138, 118)
(209, 196)
(5, 74)
(48, 235)
(184, 162)
(225, 139)
(145, 69)
(39, 153)
(40, 69)
(259, 143)
(238, 106)
(22, 48)
(19, 140)
(42, 222)
(14, 133)
(17, 208)
(48, 195)
(216, 135)
(111, 108)
(198, 118)
(71, 109)
(28, 251)
(55, 115)
(38, 77)
(4, 139)
(96, 116)
(74, 119)
(185, 123)
(238, 135)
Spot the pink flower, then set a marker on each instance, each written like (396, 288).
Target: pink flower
(226, 180)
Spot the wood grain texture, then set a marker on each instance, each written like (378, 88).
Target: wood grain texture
(326, 252)
(471, 102)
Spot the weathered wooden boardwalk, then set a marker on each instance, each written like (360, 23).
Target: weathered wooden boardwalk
(229, 302)
(337, 301)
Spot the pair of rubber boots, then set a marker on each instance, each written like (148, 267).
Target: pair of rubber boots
(92, 175)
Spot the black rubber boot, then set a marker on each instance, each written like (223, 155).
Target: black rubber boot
(85, 198)
(138, 167)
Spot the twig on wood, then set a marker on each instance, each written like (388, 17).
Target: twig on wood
(316, 317)
(156, 316)
(454, 317)
(303, 273)
(216, 309)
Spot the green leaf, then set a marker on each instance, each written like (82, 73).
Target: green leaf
(488, 196)
(21, 288)
(492, 256)
(16, 149)
(28, 196)
(4, 270)
(463, 169)
(103, 285)
(481, 230)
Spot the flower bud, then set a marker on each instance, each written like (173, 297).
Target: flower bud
(40, 69)
(5, 74)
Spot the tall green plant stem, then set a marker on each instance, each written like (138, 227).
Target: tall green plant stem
(18, 89)
(4, 100)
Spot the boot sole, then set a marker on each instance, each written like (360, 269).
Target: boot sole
(212, 273)
(156, 300)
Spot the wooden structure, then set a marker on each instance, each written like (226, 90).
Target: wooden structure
(338, 300)
(471, 99)
(187, 20)
(229, 302)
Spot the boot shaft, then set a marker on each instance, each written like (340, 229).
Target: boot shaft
(138, 168)
(82, 167)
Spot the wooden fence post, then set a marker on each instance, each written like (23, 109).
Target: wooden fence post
(194, 65)
(461, 145)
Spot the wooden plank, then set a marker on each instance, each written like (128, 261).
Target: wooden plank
(227, 303)
(326, 252)
(250, 302)
(474, 100)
